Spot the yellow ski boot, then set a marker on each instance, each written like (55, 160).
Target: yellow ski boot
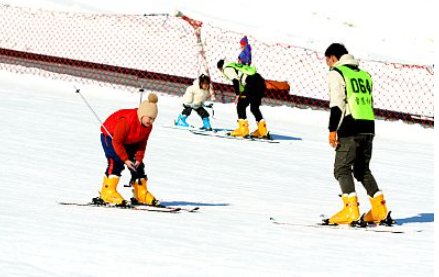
(349, 213)
(262, 131)
(378, 213)
(242, 130)
(109, 193)
(141, 194)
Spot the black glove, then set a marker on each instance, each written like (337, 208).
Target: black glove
(138, 172)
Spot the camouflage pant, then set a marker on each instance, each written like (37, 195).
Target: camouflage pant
(352, 158)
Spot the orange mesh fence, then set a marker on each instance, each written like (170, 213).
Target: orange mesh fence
(165, 53)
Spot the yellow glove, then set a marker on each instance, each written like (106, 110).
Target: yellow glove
(333, 139)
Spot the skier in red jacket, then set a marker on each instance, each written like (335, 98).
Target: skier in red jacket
(124, 137)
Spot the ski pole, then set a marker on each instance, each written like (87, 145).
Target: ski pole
(78, 91)
(141, 89)
(210, 106)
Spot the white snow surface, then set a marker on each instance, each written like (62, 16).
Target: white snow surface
(51, 152)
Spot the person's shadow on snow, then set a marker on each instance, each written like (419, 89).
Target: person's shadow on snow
(420, 218)
(185, 203)
(283, 137)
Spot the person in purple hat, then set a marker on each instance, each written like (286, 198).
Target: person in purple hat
(245, 57)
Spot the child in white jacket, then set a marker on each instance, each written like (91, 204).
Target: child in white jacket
(194, 99)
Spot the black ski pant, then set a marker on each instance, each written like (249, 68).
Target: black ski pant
(251, 96)
(201, 111)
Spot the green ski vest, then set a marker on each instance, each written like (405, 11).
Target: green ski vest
(358, 92)
(244, 69)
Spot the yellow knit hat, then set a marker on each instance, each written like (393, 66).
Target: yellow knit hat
(148, 107)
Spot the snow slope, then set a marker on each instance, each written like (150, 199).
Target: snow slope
(51, 152)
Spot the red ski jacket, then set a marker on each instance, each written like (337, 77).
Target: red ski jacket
(125, 128)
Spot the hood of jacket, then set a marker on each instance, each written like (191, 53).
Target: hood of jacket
(347, 59)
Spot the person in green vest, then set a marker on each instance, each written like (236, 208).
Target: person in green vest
(249, 87)
(351, 133)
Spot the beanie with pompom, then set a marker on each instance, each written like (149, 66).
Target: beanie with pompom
(148, 107)
(244, 41)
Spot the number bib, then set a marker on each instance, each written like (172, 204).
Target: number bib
(358, 92)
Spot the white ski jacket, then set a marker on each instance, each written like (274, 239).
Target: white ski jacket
(195, 96)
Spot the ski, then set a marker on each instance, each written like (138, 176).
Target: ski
(187, 209)
(192, 128)
(176, 127)
(224, 134)
(125, 207)
(190, 210)
(369, 228)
